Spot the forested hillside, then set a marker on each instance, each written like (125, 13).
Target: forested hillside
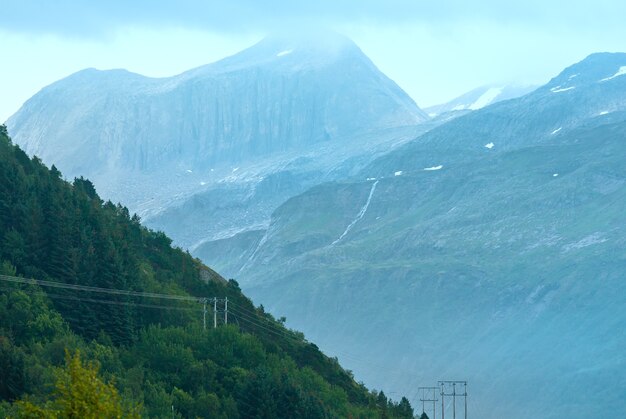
(154, 350)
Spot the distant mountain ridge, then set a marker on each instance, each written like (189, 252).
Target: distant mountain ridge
(479, 98)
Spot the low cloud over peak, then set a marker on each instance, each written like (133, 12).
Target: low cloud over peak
(93, 19)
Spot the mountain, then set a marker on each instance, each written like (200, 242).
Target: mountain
(253, 130)
(277, 95)
(118, 294)
(147, 142)
(490, 248)
(479, 98)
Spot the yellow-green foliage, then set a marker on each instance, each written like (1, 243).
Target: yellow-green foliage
(79, 393)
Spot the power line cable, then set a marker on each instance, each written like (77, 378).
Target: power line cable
(274, 330)
(100, 301)
(284, 333)
(251, 317)
(87, 288)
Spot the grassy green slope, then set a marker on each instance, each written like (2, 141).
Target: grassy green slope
(483, 262)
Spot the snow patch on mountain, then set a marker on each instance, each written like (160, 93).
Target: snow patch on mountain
(620, 72)
(489, 145)
(487, 98)
(433, 168)
(483, 100)
(556, 130)
(283, 53)
(560, 89)
(479, 98)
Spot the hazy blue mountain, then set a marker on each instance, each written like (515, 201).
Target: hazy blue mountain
(154, 143)
(479, 98)
(275, 96)
(491, 248)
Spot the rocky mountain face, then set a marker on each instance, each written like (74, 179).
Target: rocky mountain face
(490, 249)
(154, 144)
(276, 96)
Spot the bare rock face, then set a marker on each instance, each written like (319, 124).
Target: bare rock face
(279, 95)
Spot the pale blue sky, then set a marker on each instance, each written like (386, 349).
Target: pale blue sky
(434, 50)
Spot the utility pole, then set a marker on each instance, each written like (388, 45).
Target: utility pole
(226, 311)
(215, 313)
(443, 385)
(443, 407)
(432, 398)
(204, 313)
(465, 397)
(453, 400)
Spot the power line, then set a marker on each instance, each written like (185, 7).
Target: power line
(255, 321)
(255, 315)
(99, 301)
(252, 317)
(87, 288)
(111, 291)
(243, 313)
(429, 394)
(278, 331)
(240, 400)
(446, 384)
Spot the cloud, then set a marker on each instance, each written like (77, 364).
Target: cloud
(96, 18)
